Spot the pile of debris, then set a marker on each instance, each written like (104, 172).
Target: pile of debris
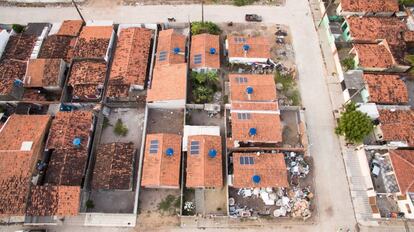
(297, 167)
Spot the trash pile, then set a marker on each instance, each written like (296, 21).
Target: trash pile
(189, 206)
(297, 167)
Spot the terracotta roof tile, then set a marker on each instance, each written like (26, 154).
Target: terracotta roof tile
(161, 170)
(263, 86)
(259, 47)
(93, 41)
(374, 55)
(87, 77)
(58, 47)
(34, 95)
(204, 170)
(201, 46)
(271, 168)
(131, 58)
(19, 47)
(397, 125)
(70, 27)
(113, 166)
(386, 89)
(168, 41)
(254, 106)
(370, 6)
(371, 29)
(10, 70)
(169, 82)
(43, 73)
(408, 36)
(53, 201)
(403, 164)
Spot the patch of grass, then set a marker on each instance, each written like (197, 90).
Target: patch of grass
(406, 2)
(120, 129)
(166, 203)
(242, 2)
(289, 87)
(348, 63)
(205, 27)
(177, 203)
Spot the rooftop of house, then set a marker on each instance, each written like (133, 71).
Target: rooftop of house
(169, 82)
(11, 70)
(408, 36)
(86, 76)
(130, 62)
(93, 41)
(374, 55)
(249, 47)
(19, 47)
(403, 165)
(259, 171)
(376, 28)
(70, 27)
(43, 73)
(256, 127)
(254, 106)
(204, 161)
(205, 51)
(252, 87)
(170, 47)
(162, 158)
(58, 47)
(386, 89)
(370, 6)
(397, 125)
(21, 138)
(113, 166)
(53, 201)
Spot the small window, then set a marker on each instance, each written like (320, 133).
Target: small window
(153, 147)
(194, 147)
(243, 116)
(162, 56)
(197, 59)
(246, 160)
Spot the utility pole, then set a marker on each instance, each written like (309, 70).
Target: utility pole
(202, 11)
(77, 9)
(324, 13)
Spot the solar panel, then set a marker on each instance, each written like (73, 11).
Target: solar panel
(163, 55)
(245, 160)
(194, 147)
(241, 80)
(197, 59)
(153, 147)
(243, 116)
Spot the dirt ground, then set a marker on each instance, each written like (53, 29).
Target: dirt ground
(290, 135)
(154, 221)
(165, 121)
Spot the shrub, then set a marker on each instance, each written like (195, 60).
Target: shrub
(105, 123)
(120, 129)
(406, 2)
(348, 63)
(203, 94)
(18, 28)
(242, 2)
(166, 203)
(89, 204)
(205, 27)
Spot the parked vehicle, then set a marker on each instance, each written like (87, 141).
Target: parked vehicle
(280, 40)
(281, 33)
(375, 168)
(253, 18)
(171, 19)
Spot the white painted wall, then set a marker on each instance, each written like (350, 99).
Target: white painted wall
(4, 38)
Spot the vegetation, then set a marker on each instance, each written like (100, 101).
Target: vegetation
(354, 124)
(289, 88)
(205, 27)
(242, 2)
(120, 129)
(348, 63)
(17, 28)
(89, 204)
(204, 86)
(105, 123)
(406, 2)
(168, 204)
(410, 59)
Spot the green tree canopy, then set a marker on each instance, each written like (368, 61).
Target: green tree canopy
(205, 27)
(353, 124)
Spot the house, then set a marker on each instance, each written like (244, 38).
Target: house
(12, 73)
(247, 50)
(86, 80)
(384, 8)
(162, 161)
(204, 162)
(4, 38)
(50, 200)
(70, 28)
(68, 142)
(386, 89)
(205, 53)
(259, 170)
(19, 47)
(168, 87)
(95, 42)
(114, 166)
(376, 58)
(396, 127)
(58, 47)
(21, 145)
(252, 88)
(130, 65)
(171, 48)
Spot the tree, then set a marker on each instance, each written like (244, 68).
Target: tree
(205, 27)
(17, 28)
(203, 94)
(354, 125)
(348, 63)
(89, 204)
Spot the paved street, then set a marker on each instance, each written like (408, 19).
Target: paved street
(332, 192)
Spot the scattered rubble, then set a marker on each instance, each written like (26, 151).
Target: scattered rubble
(297, 167)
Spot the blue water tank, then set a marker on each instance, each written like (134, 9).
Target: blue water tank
(212, 51)
(246, 47)
(77, 142)
(249, 90)
(169, 152)
(252, 131)
(18, 83)
(176, 50)
(212, 153)
(256, 179)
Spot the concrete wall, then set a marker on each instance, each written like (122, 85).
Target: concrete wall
(4, 38)
(168, 104)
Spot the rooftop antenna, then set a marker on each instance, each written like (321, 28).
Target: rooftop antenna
(77, 9)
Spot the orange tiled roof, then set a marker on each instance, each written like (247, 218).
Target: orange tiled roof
(370, 6)
(19, 47)
(131, 58)
(271, 168)
(43, 73)
(10, 70)
(403, 164)
(53, 201)
(200, 47)
(161, 170)
(58, 47)
(169, 82)
(408, 36)
(202, 169)
(168, 40)
(375, 28)
(397, 125)
(374, 55)
(259, 47)
(70, 27)
(264, 88)
(93, 41)
(386, 89)
(86, 76)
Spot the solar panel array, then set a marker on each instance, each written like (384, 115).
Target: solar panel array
(197, 59)
(243, 116)
(246, 160)
(195, 147)
(153, 147)
(241, 80)
(163, 55)
(239, 40)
